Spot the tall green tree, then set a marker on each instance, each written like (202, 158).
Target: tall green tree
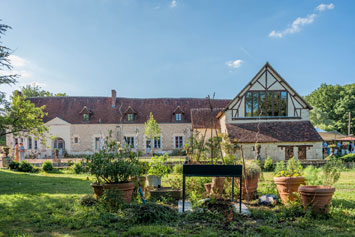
(17, 115)
(36, 91)
(332, 104)
(151, 130)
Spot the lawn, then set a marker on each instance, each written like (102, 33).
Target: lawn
(48, 205)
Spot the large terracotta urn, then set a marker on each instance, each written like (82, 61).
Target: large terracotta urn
(318, 198)
(249, 187)
(124, 190)
(286, 186)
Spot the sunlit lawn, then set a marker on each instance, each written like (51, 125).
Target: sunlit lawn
(47, 205)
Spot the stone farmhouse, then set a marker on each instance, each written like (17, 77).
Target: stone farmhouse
(267, 111)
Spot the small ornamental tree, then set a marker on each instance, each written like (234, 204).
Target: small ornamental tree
(151, 130)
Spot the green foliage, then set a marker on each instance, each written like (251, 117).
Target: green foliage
(312, 175)
(87, 200)
(157, 166)
(14, 165)
(177, 169)
(47, 166)
(111, 200)
(268, 165)
(150, 213)
(252, 168)
(348, 157)
(333, 103)
(25, 167)
(149, 231)
(78, 167)
(143, 168)
(293, 168)
(113, 164)
(151, 129)
(331, 171)
(36, 91)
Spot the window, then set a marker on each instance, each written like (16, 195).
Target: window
(76, 140)
(130, 117)
(98, 143)
(179, 142)
(86, 117)
(36, 144)
(129, 141)
(157, 142)
(178, 117)
(29, 143)
(148, 144)
(266, 104)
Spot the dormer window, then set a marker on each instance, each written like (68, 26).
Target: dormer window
(130, 117)
(178, 113)
(85, 114)
(86, 117)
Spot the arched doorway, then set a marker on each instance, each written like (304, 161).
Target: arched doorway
(59, 144)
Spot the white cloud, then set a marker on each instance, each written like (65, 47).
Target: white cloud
(17, 61)
(235, 64)
(173, 3)
(300, 21)
(323, 7)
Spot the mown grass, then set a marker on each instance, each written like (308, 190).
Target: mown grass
(48, 205)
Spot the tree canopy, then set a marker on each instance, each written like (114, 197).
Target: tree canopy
(151, 128)
(19, 114)
(332, 104)
(37, 91)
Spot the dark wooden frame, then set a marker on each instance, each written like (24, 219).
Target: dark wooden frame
(213, 171)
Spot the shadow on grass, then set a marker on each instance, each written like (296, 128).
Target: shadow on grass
(24, 183)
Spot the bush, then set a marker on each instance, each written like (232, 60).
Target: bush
(87, 200)
(348, 158)
(268, 165)
(78, 168)
(14, 165)
(47, 166)
(178, 169)
(150, 213)
(25, 167)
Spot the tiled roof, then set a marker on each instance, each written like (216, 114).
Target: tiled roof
(291, 131)
(68, 108)
(201, 118)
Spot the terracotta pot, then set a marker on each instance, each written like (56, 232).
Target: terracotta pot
(98, 190)
(286, 186)
(252, 192)
(208, 188)
(318, 198)
(124, 190)
(154, 181)
(217, 186)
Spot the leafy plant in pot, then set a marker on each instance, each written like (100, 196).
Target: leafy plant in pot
(112, 167)
(250, 179)
(157, 170)
(318, 192)
(288, 178)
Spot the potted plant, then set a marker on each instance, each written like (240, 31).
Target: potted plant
(318, 192)
(157, 170)
(113, 166)
(250, 179)
(288, 178)
(143, 168)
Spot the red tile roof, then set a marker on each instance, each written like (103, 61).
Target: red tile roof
(201, 118)
(68, 108)
(291, 131)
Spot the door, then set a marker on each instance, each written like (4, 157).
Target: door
(288, 152)
(302, 153)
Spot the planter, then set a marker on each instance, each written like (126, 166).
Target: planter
(154, 181)
(318, 198)
(286, 186)
(217, 186)
(166, 193)
(124, 190)
(252, 192)
(98, 190)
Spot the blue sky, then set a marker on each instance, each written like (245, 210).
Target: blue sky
(177, 48)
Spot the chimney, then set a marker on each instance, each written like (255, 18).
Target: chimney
(113, 97)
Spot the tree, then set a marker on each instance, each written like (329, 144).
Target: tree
(151, 129)
(36, 91)
(332, 105)
(19, 115)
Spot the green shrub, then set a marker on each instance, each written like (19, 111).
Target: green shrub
(178, 168)
(348, 158)
(293, 168)
(143, 167)
(78, 168)
(14, 165)
(87, 200)
(25, 167)
(157, 166)
(150, 213)
(268, 165)
(47, 166)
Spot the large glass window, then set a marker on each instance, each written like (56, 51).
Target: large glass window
(157, 142)
(130, 117)
(129, 141)
(266, 104)
(86, 117)
(179, 142)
